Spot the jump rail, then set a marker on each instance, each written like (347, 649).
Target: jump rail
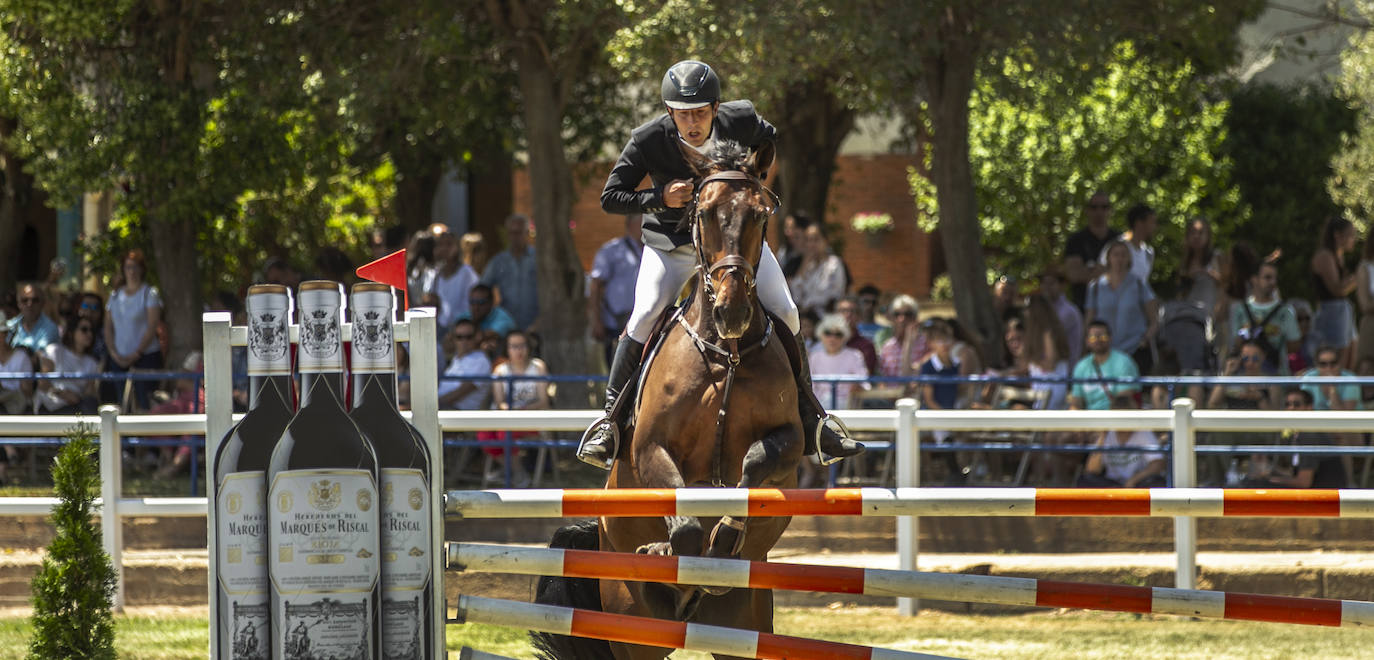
(664, 634)
(647, 502)
(736, 573)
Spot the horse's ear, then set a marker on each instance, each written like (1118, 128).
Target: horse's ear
(699, 164)
(762, 159)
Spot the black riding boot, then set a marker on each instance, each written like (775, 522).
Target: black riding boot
(833, 442)
(600, 442)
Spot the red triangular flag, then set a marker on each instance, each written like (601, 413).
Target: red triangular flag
(390, 269)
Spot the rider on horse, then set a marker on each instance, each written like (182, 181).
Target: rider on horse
(696, 117)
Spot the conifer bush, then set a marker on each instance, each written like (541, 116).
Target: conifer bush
(73, 590)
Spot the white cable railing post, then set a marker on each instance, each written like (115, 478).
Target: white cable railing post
(1185, 476)
(424, 414)
(111, 489)
(219, 407)
(908, 476)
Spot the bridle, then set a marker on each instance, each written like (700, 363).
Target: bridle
(731, 354)
(733, 262)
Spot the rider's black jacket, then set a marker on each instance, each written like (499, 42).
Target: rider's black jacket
(653, 150)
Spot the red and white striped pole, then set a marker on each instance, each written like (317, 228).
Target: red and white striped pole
(665, 634)
(1157, 502)
(488, 558)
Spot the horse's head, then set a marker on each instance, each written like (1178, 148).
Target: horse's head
(729, 215)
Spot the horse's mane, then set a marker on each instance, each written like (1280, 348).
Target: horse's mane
(724, 155)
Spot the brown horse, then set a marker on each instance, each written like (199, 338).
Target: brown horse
(718, 405)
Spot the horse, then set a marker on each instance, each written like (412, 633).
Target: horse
(717, 405)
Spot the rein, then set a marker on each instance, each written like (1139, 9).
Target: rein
(732, 358)
(731, 261)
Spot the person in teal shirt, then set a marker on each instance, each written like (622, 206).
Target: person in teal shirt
(484, 314)
(1102, 361)
(1331, 396)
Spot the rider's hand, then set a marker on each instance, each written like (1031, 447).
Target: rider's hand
(677, 193)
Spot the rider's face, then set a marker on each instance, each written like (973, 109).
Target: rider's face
(694, 125)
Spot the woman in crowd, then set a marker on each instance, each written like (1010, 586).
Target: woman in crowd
(1364, 294)
(1200, 265)
(901, 355)
(820, 279)
(1127, 304)
(832, 358)
(517, 394)
(131, 320)
(74, 354)
(1333, 324)
(1047, 351)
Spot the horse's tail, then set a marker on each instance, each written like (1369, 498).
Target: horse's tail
(582, 593)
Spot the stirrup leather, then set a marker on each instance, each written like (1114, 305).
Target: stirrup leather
(840, 429)
(604, 421)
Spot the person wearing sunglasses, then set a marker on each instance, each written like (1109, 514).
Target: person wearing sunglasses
(468, 360)
(32, 329)
(74, 354)
(1300, 470)
(1331, 396)
(1083, 248)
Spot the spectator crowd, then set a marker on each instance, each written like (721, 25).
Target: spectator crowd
(1076, 336)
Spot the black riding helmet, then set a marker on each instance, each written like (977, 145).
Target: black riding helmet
(690, 84)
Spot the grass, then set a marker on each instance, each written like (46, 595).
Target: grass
(170, 634)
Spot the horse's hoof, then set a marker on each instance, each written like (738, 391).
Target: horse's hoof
(658, 548)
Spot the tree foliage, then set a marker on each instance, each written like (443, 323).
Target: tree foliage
(73, 589)
(1352, 181)
(1142, 132)
(1282, 142)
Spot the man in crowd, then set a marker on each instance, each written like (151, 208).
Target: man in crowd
(1331, 396)
(1263, 316)
(611, 285)
(1083, 250)
(452, 280)
(468, 360)
(1302, 470)
(512, 273)
(32, 329)
(1101, 362)
(1142, 224)
(485, 314)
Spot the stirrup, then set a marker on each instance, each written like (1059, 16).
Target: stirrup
(587, 436)
(841, 430)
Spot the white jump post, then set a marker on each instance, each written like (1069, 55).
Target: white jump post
(908, 476)
(111, 489)
(219, 407)
(424, 414)
(1185, 476)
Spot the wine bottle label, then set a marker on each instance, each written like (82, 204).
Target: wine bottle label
(406, 560)
(240, 539)
(268, 341)
(321, 345)
(325, 562)
(374, 345)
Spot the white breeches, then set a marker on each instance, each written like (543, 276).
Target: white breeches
(662, 274)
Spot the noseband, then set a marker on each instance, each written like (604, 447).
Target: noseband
(734, 262)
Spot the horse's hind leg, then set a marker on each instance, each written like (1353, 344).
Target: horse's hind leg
(768, 460)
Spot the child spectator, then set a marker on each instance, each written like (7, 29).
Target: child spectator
(73, 355)
(942, 363)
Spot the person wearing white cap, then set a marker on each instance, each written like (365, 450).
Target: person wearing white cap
(695, 119)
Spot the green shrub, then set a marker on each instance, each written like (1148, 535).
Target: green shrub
(73, 590)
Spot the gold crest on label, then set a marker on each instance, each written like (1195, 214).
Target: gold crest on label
(286, 554)
(285, 501)
(416, 552)
(416, 498)
(364, 499)
(235, 503)
(235, 555)
(364, 554)
(325, 495)
(387, 488)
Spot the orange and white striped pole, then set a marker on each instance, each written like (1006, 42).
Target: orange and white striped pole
(1157, 502)
(489, 558)
(666, 634)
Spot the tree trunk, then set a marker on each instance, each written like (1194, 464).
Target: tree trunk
(178, 277)
(949, 82)
(562, 300)
(810, 129)
(417, 179)
(11, 228)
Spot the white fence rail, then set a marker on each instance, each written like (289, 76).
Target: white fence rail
(1183, 422)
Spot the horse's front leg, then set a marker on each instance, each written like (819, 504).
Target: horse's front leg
(686, 537)
(770, 460)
